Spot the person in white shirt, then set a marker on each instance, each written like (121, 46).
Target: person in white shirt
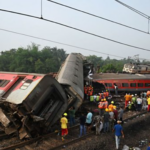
(139, 103)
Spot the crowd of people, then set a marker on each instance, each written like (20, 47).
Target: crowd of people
(107, 117)
(138, 102)
(109, 121)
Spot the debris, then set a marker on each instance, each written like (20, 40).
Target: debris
(125, 147)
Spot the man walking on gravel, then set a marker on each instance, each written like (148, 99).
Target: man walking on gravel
(118, 132)
(148, 148)
(64, 122)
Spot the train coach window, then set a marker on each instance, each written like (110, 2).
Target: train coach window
(140, 84)
(108, 84)
(3, 83)
(147, 84)
(125, 85)
(132, 84)
(26, 84)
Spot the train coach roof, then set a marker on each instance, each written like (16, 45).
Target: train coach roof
(107, 76)
(21, 73)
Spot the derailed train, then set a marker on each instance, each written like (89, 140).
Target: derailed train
(31, 104)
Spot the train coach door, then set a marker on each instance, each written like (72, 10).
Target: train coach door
(12, 87)
(118, 85)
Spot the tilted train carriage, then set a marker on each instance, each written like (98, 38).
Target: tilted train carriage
(31, 104)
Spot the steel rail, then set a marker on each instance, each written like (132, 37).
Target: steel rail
(22, 144)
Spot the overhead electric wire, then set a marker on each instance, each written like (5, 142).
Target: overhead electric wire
(59, 43)
(85, 49)
(98, 17)
(133, 9)
(144, 49)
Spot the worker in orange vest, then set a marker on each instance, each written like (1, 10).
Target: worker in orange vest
(105, 103)
(104, 94)
(92, 90)
(127, 99)
(86, 91)
(110, 107)
(148, 93)
(100, 96)
(107, 93)
(101, 107)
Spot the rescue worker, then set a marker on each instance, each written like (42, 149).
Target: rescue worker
(129, 106)
(101, 107)
(102, 96)
(139, 103)
(64, 124)
(106, 120)
(110, 107)
(86, 91)
(115, 115)
(90, 91)
(148, 93)
(89, 120)
(133, 102)
(105, 103)
(127, 99)
(148, 100)
(107, 93)
(120, 114)
(111, 120)
(95, 96)
(109, 99)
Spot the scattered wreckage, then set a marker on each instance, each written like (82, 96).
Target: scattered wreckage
(31, 103)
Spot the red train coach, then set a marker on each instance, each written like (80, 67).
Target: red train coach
(30, 103)
(126, 82)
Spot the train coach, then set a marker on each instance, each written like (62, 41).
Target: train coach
(31, 104)
(133, 83)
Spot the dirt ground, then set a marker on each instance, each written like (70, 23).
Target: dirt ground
(135, 130)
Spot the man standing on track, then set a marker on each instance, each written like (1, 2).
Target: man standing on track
(64, 122)
(120, 114)
(89, 120)
(118, 132)
(82, 124)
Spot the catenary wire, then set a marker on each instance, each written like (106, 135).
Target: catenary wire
(108, 39)
(133, 9)
(39, 38)
(99, 17)
(59, 43)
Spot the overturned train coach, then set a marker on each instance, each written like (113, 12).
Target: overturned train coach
(30, 104)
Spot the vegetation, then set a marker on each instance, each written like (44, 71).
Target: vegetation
(34, 60)
(107, 65)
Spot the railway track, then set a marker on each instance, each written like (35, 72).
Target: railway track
(53, 141)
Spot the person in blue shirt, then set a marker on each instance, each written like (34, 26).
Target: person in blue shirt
(148, 146)
(118, 132)
(89, 120)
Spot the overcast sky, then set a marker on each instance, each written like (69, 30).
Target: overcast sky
(109, 9)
